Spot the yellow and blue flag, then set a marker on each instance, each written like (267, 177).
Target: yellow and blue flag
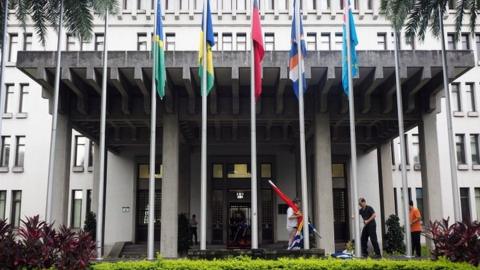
(207, 30)
(353, 44)
(159, 53)
(294, 59)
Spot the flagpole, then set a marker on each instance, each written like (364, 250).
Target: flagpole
(3, 90)
(153, 134)
(403, 155)
(303, 155)
(53, 138)
(253, 132)
(457, 211)
(103, 116)
(203, 183)
(353, 141)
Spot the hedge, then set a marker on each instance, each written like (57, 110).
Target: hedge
(296, 264)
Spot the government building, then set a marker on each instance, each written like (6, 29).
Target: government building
(27, 120)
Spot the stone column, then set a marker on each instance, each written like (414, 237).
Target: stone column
(323, 184)
(170, 198)
(386, 181)
(61, 177)
(430, 162)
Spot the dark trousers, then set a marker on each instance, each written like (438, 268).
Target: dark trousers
(416, 248)
(369, 231)
(193, 231)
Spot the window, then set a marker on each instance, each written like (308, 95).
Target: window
(70, 46)
(266, 170)
(238, 170)
(80, 142)
(477, 42)
(218, 171)
(455, 98)
(419, 193)
(470, 94)
(23, 95)
(465, 38)
(410, 43)
(27, 41)
(16, 208)
(465, 203)
(271, 4)
(141, 41)
(311, 41)
(269, 41)
(84, 44)
(12, 47)
(183, 4)
(474, 145)
(91, 151)
(460, 145)
(451, 4)
(125, 4)
(3, 203)
(451, 45)
(313, 4)
(416, 149)
(227, 41)
(89, 201)
(477, 202)
(139, 5)
(382, 41)
(99, 41)
(5, 151)
(170, 41)
(241, 4)
(338, 41)
(9, 99)
(392, 150)
(20, 151)
(325, 42)
(76, 215)
(369, 4)
(241, 42)
(395, 200)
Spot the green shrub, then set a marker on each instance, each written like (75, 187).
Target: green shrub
(393, 239)
(295, 264)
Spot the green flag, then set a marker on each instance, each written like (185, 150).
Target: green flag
(159, 53)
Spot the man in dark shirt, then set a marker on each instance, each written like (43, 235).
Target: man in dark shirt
(370, 228)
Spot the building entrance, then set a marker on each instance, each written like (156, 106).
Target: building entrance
(231, 204)
(142, 209)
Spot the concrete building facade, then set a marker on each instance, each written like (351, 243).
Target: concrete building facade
(27, 123)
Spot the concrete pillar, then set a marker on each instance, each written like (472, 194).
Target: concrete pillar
(323, 184)
(386, 181)
(61, 177)
(170, 198)
(430, 162)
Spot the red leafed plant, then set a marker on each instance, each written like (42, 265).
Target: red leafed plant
(36, 245)
(459, 242)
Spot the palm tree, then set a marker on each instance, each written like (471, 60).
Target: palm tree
(473, 7)
(429, 14)
(396, 11)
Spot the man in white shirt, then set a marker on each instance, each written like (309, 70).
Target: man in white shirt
(292, 221)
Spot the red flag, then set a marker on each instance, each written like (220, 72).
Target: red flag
(287, 200)
(258, 49)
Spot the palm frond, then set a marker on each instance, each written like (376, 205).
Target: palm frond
(40, 18)
(425, 16)
(396, 11)
(78, 17)
(459, 15)
(101, 6)
(2, 6)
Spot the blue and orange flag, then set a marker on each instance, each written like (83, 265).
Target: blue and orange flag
(294, 59)
(258, 49)
(207, 31)
(353, 44)
(159, 53)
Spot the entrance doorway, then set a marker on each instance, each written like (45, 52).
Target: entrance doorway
(231, 203)
(142, 206)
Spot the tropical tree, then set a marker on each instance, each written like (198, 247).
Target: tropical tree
(78, 14)
(463, 6)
